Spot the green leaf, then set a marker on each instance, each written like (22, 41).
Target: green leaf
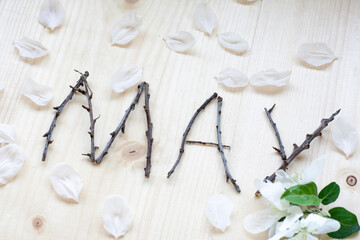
(303, 195)
(329, 193)
(348, 221)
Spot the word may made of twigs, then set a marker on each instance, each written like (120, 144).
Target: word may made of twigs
(219, 144)
(297, 149)
(88, 93)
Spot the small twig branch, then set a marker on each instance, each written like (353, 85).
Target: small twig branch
(281, 148)
(89, 94)
(59, 109)
(121, 126)
(187, 130)
(148, 133)
(305, 145)
(220, 146)
(211, 144)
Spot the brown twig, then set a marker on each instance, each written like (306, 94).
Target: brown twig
(59, 109)
(148, 133)
(281, 148)
(298, 149)
(220, 146)
(121, 126)
(181, 151)
(211, 144)
(89, 94)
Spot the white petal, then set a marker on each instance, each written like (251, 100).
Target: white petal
(272, 230)
(125, 77)
(66, 182)
(30, 48)
(293, 215)
(283, 178)
(11, 161)
(180, 41)
(287, 233)
(259, 221)
(270, 77)
(272, 192)
(2, 86)
(311, 172)
(218, 211)
(7, 134)
(52, 14)
(205, 18)
(317, 224)
(126, 29)
(38, 93)
(233, 78)
(233, 42)
(117, 216)
(316, 54)
(345, 135)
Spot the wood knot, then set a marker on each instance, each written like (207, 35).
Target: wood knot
(38, 223)
(133, 151)
(351, 180)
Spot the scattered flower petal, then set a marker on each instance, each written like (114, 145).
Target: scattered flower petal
(125, 77)
(52, 14)
(30, 48)
(66, 182)
(270, 77)
(2, 86)
(180, 41)
(11, 161)
(126, 29)
(38, 93)
(117, 216)
(218, 211)
(7, 134)
(233, 42)
(205, 18)
(316, 54)
(233, 78)
(345, 135)
(260, 221)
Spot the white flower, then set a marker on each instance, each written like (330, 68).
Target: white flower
(304, 228)
(307, 176)
(279, 208)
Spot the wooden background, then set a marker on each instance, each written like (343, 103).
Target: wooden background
(179, 83)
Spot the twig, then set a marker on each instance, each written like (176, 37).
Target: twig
(298, 149)
(281, 148)
(181, 151)
(220, 146)
(148, 133)
(121, 126)
(59, 109)
(211, 144)
(89, 94)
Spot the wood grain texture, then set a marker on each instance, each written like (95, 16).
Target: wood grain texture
(179, 83)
